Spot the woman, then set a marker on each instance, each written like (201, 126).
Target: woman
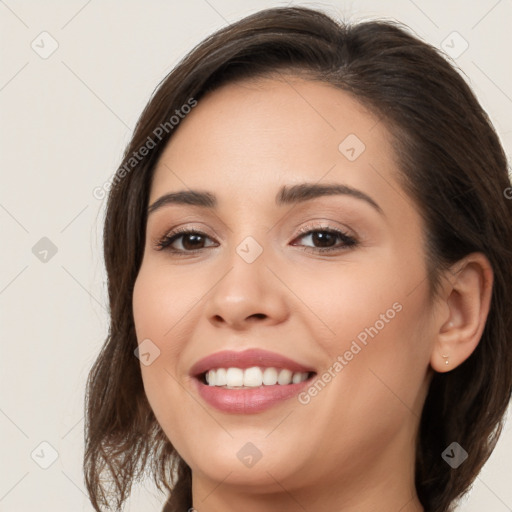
(308, 247)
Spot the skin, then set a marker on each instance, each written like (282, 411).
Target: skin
(351, 447)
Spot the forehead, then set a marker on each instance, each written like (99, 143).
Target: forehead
(252, 137)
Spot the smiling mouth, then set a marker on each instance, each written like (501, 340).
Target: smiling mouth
(249, 381)
(253, 377)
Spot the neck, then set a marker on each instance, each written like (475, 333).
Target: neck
(230, 500)
(225, 498)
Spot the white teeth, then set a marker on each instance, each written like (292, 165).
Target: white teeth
(285, 377)
(253, 377)
(234, 377)
(270, 376)
(220, 377)
(299, 377)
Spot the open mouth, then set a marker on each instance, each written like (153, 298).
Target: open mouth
(253, 377)
(249, 381)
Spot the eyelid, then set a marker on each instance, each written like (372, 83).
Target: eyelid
(322, 225)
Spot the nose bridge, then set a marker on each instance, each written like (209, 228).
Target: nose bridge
(244, 280)
(247, 290)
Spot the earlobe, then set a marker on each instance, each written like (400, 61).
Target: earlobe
(468, 298)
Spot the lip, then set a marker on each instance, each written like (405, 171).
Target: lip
(246, 359)
(250, 400)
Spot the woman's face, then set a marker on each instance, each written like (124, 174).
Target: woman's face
(303, 246)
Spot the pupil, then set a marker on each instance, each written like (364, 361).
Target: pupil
(195, 239)
(322, 237)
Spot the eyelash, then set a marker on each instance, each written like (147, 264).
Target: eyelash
(349, 242)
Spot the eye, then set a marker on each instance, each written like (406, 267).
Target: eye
(326, 239)
(320, 240)
(183, 241)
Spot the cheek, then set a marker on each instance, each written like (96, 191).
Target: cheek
(375, 318)
(161, 300)
(160, 307)
(353, 301)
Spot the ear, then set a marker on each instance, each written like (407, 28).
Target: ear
(467, 297)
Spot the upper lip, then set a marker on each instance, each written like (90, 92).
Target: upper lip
(246, 359)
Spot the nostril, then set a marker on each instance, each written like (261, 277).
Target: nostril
(259, 316)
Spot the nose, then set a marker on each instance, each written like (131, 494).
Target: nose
(248, 294)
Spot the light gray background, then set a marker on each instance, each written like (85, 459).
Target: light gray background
(65, 121)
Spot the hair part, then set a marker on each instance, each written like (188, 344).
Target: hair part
(451, 165)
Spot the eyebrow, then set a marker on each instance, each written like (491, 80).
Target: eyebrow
(192, 197)
(306, 191)
(286, 195)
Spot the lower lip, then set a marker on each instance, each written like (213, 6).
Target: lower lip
(250, 400)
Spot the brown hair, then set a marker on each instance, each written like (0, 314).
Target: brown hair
(451, 164)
